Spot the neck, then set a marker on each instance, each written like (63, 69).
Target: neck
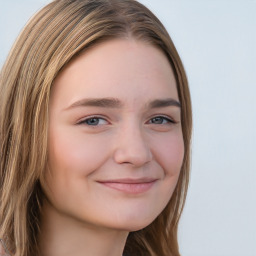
(62, 235)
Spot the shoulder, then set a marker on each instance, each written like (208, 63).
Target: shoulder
(3, 250)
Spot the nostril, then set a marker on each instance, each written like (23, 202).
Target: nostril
(132, 147)
(131, 156)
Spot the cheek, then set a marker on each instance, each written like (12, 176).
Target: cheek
(72, 157)
(169, 153)
(76, 152)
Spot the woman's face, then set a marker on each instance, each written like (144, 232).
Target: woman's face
(115, 138)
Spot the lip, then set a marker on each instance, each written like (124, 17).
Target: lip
(130, 186)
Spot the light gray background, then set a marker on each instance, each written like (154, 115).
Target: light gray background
(217, 42)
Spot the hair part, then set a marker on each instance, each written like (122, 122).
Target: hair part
(53, 37)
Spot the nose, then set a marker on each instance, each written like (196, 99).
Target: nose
(132, 147)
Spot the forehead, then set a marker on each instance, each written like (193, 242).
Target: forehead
(121, 68)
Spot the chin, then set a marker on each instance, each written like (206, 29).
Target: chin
(134, 224)
(138, 226)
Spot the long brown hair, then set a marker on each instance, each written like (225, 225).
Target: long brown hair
(55, 35)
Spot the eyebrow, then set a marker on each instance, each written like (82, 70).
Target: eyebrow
(97, 102)
(116, 103)
(159, 103)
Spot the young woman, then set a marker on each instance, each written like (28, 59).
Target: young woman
(95, 128)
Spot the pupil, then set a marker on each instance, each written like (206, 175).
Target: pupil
(158, 120)
(93, 121)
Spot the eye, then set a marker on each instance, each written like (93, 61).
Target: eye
(160, 120)
(93, 121)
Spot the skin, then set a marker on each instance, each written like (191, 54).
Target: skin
(2, 248)
(113, 163)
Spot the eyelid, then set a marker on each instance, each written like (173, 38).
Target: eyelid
(170, 120)
(83, 120)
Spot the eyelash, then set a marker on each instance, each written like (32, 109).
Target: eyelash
(167, 119)
(163, 118)
(84, 121)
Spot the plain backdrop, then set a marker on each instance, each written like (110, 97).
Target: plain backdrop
(217, 43)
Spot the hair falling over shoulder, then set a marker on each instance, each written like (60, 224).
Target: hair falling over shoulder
(52, 38)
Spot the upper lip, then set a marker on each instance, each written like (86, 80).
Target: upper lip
(129, 180)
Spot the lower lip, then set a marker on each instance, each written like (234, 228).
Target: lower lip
(131, 188)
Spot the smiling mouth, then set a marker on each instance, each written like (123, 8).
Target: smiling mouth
(130, 186)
